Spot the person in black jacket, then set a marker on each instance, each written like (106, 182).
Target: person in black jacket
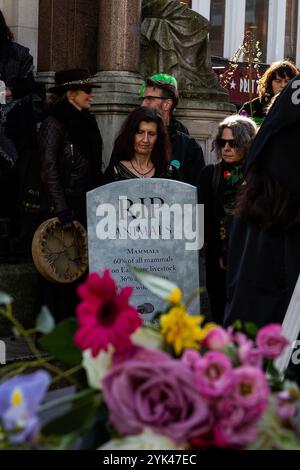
(70, 148)
(160, 92)
(264, 251)
(19, 113)
(218, 188)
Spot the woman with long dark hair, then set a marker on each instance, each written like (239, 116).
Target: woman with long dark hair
(264, 251)
(273, 81)
(142, 149)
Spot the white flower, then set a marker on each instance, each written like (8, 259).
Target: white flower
(147, 440)
(97, 367)
(147, 338)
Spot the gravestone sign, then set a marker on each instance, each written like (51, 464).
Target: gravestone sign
(151, 224)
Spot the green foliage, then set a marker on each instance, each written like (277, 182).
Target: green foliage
(59, 343)
(83, 407)
(251, 329)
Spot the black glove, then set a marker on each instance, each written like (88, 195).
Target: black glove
(66, 217)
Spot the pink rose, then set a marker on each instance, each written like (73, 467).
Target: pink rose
(236, 425)
(270, 341)
(247, 354)
(213, 374)
(250, 388)
(227, 435)
(217, 339)
(158, 395)
(191, 358)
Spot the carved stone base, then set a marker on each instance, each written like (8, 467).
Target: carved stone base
(202, 119)
(118, 96)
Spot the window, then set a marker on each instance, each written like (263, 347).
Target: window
(291, 20)
(217, 20)
(257, 19)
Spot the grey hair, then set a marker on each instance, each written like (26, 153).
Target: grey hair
(243, 130)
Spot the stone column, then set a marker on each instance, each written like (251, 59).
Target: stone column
(67, 36)
(118, 66)
(119, 35)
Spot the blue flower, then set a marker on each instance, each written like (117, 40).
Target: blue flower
(19, 401)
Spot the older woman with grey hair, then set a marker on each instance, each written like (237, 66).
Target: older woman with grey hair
(218, 188)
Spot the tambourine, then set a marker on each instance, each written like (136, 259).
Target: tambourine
(60, 252)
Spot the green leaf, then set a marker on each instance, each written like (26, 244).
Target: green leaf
(98, 433)
(251, 329)
(5, 299)
(157, 285)
(59, 343)
(45, 322)
(237, 325)
(79, 417)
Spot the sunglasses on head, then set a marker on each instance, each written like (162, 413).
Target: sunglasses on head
(231, 142)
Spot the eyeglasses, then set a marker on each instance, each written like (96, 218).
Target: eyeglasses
(87, 89)
(149, 97)
(231, 142)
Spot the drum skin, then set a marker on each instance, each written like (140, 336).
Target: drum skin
(60, 252)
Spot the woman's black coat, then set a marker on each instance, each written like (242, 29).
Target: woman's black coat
(264, 266)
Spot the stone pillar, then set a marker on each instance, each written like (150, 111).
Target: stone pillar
(67, 36)
(118, 66)
(119, 39)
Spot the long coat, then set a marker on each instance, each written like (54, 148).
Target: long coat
(264, 265)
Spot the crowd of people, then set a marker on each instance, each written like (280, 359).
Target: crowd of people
(251, 194)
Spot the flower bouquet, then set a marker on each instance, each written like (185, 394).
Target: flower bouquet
(179, 383)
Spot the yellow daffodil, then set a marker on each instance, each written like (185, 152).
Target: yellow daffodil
(182, 330)
(175, 297)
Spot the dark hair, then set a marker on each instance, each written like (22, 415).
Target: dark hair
(5, 32)
(124, 144)
(265, 203)
(281, 68)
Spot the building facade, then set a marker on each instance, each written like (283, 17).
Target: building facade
(275, 23)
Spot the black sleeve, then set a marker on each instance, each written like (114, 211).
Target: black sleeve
(24, 83)
(193, 163)
(206, 196)
(109, 174)
(50, 139)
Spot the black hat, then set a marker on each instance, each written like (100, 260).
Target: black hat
(72, 79)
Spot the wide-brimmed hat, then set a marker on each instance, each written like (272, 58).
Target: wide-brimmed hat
(72, 79)
(165, 82)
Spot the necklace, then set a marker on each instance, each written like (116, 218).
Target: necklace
(142, 174)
